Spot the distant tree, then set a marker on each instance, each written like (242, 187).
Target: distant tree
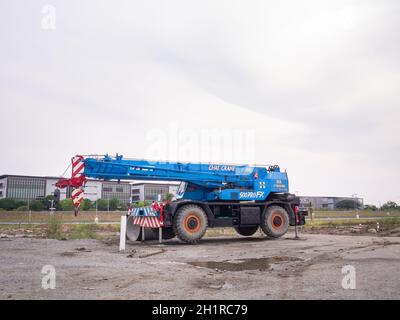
(46, 202)
(11, 204)
(140, 204)
(7, 204)
(347, 204)
(36, 205)
(114, 204)
(102, 204)
(86, 205)
(390, 205)
(168, 197)
(370, 207)
(66, 205)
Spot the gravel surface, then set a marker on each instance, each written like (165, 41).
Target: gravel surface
(217, 268)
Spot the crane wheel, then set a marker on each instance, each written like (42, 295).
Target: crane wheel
(190, 223)
(167, 233)
(246, 231)
(275, 221)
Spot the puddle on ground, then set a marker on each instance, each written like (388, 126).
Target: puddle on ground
(67, 254)
(261, 264)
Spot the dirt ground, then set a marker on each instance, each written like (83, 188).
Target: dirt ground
(218, 268)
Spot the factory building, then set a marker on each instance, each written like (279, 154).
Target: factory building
(330, 203)
(51, 187)
(27, 188)
(115, 190)
(150, 191)
(22, 188)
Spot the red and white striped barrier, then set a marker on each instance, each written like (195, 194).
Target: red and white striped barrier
(148, 217)
(147, 222)
(78, 167)
(77, 197)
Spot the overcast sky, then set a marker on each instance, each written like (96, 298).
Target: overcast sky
(313, 86)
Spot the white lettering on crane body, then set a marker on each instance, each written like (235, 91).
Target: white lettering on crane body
(217, 167)
(252, 194)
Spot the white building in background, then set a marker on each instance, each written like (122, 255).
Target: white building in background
(3, 187)
(22, 188)
(329, 203)
(51, 187)
(93, 190)
(173, 188)
(150, 191)
(115, 190)
(26, 188)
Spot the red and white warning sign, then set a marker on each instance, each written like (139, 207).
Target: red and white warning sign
(77, 171)
(77, 166)
(77, 197)
(147, 222)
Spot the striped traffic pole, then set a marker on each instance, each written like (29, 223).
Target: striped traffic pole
(122, 234)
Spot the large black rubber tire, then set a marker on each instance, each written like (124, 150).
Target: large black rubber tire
(246, 231)
(168, 233)
(190, 223)
(275, 221)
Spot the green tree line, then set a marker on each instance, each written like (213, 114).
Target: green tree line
(44, 204)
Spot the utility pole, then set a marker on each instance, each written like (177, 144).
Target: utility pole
(96, 219)
(29, 212)
(354, 195)
(52, 206)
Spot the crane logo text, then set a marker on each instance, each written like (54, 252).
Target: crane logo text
(218, 167)
(256, 195)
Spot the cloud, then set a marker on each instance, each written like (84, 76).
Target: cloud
(317, 81)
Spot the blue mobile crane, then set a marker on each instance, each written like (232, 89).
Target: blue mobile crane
(210, 195)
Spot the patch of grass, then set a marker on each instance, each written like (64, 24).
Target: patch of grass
(91, 231)
(12, 229)
(83, 231)
(54, 228)
(353, 213)
(65, 216)
(16, 226)
(387, 223)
